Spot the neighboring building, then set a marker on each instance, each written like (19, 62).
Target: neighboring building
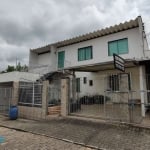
(17, 76)
(9, 88)
(90, 57)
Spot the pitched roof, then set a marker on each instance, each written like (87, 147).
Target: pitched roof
(99, 33)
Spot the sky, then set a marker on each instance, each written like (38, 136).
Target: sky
(27, 24)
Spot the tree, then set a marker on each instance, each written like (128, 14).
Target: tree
(10, 68)
(17, 68)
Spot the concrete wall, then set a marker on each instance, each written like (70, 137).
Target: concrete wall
(30, 112)
(100, 48)
(33, 58)
(43, 63)
(18, 76)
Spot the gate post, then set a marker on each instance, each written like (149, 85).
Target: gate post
(64, 96)
(44, 99)
(15, 94)
(142, 89)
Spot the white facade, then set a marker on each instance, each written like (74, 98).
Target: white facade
(43, 61)
(100, 48)
(137, 50)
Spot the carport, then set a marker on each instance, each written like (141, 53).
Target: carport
(101, 101)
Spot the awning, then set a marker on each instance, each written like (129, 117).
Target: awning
(101, 66)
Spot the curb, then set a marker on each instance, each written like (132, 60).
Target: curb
(130, 126)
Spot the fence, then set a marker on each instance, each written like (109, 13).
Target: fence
(114, 97)
(5, 99)
(30, 94)
(37, 101)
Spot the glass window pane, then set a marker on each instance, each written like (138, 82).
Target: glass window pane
(61, 58)
(88, 53)
(112, 48)
(123, 46)
(81, 54)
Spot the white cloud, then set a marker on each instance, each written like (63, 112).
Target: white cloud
(29, 24)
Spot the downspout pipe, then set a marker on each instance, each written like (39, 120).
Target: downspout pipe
(141, 30)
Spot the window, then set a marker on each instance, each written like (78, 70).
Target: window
(30, 94)
(114, 82)
(90, 82)
(84, 80)
(61, 58)
(85, 53)
(118, 47)
(78, 85)
(119, 82)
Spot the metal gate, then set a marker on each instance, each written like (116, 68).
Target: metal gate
(107, 96)
(5, 99)
(54, 97)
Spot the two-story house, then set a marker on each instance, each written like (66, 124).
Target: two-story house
(90, 58)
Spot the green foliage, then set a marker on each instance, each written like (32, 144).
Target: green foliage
(10, 68)
(19, 67)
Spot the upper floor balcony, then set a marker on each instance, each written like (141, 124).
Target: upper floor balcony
(41, 69)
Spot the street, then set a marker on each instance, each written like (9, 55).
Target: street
(17, 140)
(53, 134)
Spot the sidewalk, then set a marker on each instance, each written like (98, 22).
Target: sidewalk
(97, 134)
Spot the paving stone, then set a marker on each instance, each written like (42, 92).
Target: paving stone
(17, 140)
(100, 135)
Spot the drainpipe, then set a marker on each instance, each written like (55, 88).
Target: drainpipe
(33, 95)
(141, 30)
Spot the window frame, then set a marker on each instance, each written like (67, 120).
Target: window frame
(78, 86)
(118, 77)
(58, 66)
(90, 82)
(28, 95)
(114, 82)
(118, 52)
(84, 80)
(84, 52)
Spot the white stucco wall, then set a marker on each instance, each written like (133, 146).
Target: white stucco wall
(18, 76)
(100, 81)
(33, 59)
(100, 48)
(44, 58)
(43, 63)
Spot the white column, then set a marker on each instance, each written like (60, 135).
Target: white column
(44, 99)
(142, 88)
